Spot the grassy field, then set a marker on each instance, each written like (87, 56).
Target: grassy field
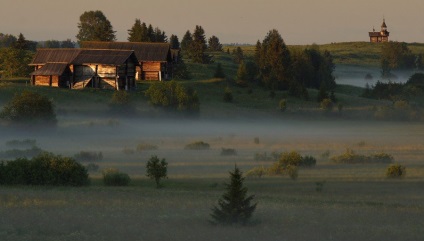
(357, 202)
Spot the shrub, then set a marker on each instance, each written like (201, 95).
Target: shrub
(326, 104)
(157, 169)
(44, 169)
(350, 157)
(228, 152)
(396, 171)
(282, 105)
(112, 177)
(172, 95)
(228, 95)
(87, 156)
(293, 172)
(198, 145)
(146, 147)
(290, 159)
(256, 172)
(29, 108)
(308, 161)
(234, 206)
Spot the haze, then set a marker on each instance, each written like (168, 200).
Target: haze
(235, 21)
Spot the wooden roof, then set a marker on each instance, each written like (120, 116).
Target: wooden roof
(83, 56)
(145, 52)
(51, 69)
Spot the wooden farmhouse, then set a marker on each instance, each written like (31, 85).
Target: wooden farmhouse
(80, 68)
(155, 59)
(382, 36)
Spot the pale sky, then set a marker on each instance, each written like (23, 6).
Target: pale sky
(232, 21)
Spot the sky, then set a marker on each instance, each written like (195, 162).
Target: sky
(232, 21)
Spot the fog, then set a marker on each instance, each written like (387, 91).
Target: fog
(309, 137)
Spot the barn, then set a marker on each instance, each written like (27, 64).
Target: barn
(155, 59)
(80, 68)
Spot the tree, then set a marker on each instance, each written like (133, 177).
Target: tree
(186, 42)
(395, 55)
(7, 40)
(67, 44)
(175, 43)
(241, 72)
(180, 70)
(214, 44)
(21, 43)
(219, 73)
(135, 33)
(94, 26)
(29, 108)
(14, 62)
(52, 44)
(238, 55)
(274, 61)
(234, 206)
(198, 46)
(157, 169)
(173, 96)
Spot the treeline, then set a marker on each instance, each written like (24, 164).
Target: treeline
(15, 55)
(397, 56)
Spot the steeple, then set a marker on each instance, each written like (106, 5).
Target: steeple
(384, 26)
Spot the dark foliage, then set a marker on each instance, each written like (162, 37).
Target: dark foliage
(228, 152)
(89, 156)
(94, 26)
(234, 207)
(219, 73)
(116, 178)
(228, 95)
(198, 145)
(120, 103)
(157, 169)
(19, 153)
(396, 55)
(44, 169)
(396, 171)
(238, 55)
(29, 108)
(214, 44)
(175, 43)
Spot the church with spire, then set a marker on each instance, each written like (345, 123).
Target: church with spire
(382, 36)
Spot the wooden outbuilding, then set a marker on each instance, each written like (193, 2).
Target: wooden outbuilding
(155, 59)
(80, 68)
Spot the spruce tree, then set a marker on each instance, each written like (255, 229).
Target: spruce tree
(214, 44)
(198, 46)
(175, 43)
(234, 206)
(186, 42)
(134, 34)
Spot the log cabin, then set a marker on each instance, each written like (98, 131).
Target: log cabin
(155, 59)
(80, 68)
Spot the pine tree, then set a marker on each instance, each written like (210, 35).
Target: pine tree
(238, 55)
(150, 33)
(134, 34)
(241, 72)
(214, 44)
(234, 207)
(175, 43)
(186, 42)
(21, 43)
(198, 46)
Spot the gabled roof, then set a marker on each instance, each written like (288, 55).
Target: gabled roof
(51, 69)
(83, 56)
(145, 52)
(104, 56)
(44, 56)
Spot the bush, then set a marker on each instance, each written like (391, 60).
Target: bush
(87, 156)
(326, 105)
(228, 95)
(228, 152)
(112, 177)
(198, 145)
(290, 159)
(256, 172)
(308, 161)
(283, 105)
(157, 169)
(172, 95)
(293, 172)
(29, 108)
(350, 157)
(44, 169)
(396, 171)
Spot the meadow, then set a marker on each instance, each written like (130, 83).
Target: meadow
(327, 202)
(357, 202)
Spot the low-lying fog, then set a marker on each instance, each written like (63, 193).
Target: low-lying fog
(117, 139)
